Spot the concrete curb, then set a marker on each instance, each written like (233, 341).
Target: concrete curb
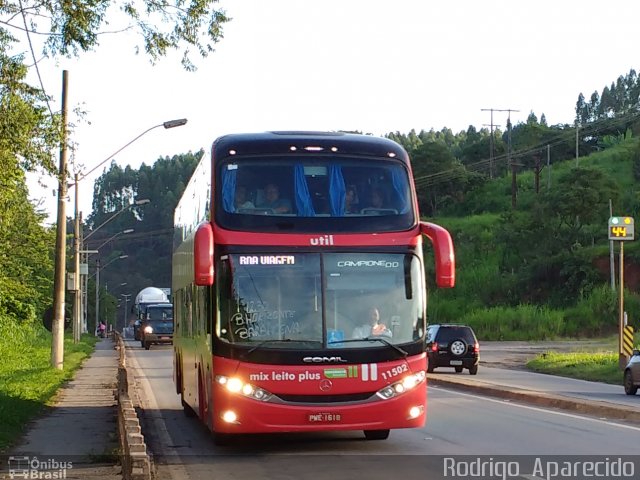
(136, 463)
(542, 399)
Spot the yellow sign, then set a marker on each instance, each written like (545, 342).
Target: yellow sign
(627, 341)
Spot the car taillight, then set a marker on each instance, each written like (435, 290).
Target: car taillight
(434, 347)
(476, 347)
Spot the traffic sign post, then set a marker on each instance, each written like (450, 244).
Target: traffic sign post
(621, 229)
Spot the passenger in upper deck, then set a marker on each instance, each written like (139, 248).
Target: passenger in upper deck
(241, 200)
(273, 201)
(351, 200)
(377, 198)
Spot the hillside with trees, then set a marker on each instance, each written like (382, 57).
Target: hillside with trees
(527, 214)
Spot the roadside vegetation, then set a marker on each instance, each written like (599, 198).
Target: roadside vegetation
(598, 366)
(28, 381)
(595, 367)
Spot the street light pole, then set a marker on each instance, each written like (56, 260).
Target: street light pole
(77, 308)
(126, 301)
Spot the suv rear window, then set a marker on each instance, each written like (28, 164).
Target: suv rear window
(449, 333)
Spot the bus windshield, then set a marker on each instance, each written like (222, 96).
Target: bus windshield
(308, 300)
(343, 192)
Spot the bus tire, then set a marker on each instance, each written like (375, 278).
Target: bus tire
(376, 434)
(178, 367)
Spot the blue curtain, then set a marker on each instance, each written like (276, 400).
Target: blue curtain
(229, 189)
(302, 197)
(400, 188)
(337, 191)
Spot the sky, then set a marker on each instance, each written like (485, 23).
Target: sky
(368, 65)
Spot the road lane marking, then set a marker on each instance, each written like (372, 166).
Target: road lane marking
(177, 471)
(537, 409)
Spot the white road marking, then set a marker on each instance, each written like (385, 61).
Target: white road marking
(177, 471)
(538, 409)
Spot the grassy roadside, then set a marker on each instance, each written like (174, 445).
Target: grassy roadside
(28, 381)
(601, 366)
(596, 367)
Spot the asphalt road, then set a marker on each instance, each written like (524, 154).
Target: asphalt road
(458, 424)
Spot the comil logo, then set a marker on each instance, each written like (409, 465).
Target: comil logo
(323, 360)
(321, 241)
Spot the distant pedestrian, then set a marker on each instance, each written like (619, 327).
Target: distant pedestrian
(102, 328)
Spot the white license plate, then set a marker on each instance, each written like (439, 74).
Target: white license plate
(455, 362)
(324, 417)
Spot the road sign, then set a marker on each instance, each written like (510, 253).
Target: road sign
(621, 228)
(627, 341)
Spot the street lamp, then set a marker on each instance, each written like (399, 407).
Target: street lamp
(98, 268)
(128, 230)
(144, 201)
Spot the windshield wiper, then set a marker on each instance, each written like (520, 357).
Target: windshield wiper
(284, 340)
(373, 339)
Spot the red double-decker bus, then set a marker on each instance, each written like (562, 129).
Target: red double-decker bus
(299, 287)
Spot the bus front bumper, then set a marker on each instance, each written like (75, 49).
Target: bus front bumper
(234, 413)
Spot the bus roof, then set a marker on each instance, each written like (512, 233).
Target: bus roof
(287, 141)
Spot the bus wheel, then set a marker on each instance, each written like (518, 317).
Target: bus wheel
(188, 411)
(376, 434)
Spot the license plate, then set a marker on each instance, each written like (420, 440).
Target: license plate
(324, 417)
(165, 338)
(455, 362)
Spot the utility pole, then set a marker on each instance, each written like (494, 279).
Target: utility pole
(510, 165)
(548, 167)
(57, 326)
(577, 144)
(98, 292)
(514, 184)
(491, 142)
(126, 301)
(77, 309)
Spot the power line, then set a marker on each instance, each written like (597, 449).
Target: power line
(562, 137)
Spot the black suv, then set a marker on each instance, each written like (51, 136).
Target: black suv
(452, 346)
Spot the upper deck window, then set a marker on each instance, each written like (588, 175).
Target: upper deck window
(345, 194)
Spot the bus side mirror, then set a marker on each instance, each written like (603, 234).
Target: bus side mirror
(203, 256)
(444, 253)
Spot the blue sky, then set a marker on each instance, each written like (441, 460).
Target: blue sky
(369, 65)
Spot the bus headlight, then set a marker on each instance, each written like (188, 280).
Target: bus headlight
(404, 385)
(235, 385)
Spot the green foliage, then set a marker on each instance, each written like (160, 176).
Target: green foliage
(75, 26)
(523, 322)
(595, 367)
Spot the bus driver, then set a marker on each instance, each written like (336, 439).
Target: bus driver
(373, 328)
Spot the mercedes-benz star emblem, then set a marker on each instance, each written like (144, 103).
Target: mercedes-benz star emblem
(325, 385)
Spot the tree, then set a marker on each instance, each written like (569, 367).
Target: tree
(438, 176)
(76, 26)
(579, 198)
